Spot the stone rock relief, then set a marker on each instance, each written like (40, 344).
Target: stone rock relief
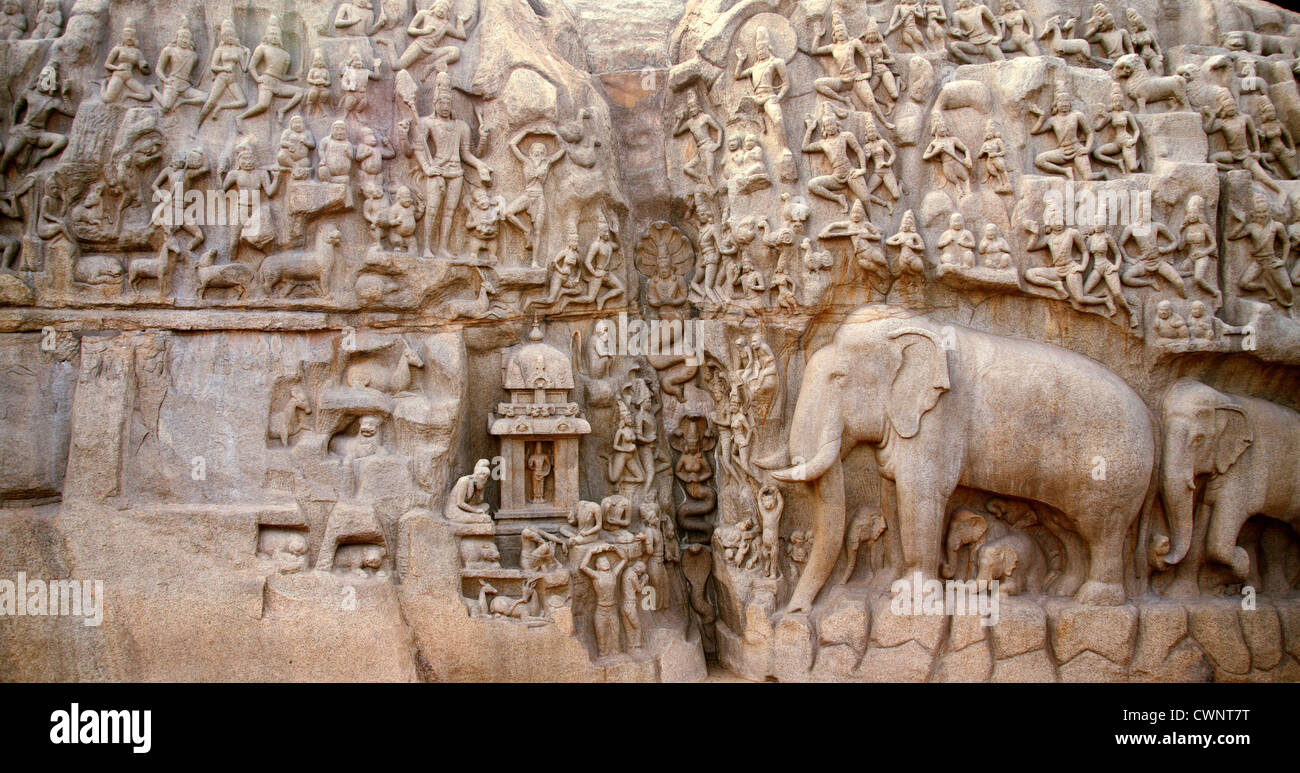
(459, 340)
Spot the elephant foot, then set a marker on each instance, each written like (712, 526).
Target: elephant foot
(1095, 593)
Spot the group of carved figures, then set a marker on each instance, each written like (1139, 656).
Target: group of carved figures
(314, 175)
(625, 570)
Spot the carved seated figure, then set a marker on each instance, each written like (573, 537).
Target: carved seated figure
(465, 503)
(584, 524)
(957, 244)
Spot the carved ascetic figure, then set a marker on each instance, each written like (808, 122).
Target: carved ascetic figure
(887, 380)
(1266, 272)
(175, 67)
(122, 63)
(465, 502)
(1198, 241)
(32, 114)
(769, 80)
(1125, 131)
(229, 63)
(1073, 139)
(536, 167)
(427, 29)
(269, 67)
(975, 31)
(634, 581)
(1248, 448)
(442, 145)
(950, 155)
(539, 551)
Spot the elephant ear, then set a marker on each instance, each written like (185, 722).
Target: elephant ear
(1233, 433)
(919, 374)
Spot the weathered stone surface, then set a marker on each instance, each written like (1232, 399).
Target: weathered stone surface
(1217, 628)
(569, 340)
(1108, 632)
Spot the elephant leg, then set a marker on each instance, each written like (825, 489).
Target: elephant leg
(1186, 582)
(921, 522)
(828, 538)
(1226, 519)
(1105, 584)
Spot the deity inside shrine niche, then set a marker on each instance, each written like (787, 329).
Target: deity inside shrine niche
(539, 469)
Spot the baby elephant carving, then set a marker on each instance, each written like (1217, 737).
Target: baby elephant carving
(998, 551)
(865, 528)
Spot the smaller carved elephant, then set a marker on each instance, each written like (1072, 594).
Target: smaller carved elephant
(865, 528)
(999, 552)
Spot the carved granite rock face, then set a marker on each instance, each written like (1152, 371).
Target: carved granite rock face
(562, 340)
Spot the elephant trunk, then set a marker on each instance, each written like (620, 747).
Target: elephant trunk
(828, 536)
(816, 428)
(1177, 494)
(949, 568)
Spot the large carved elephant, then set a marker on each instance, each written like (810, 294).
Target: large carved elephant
(947, 406)
(1248, 452)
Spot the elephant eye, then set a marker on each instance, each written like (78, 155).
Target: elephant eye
(1198, 439)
